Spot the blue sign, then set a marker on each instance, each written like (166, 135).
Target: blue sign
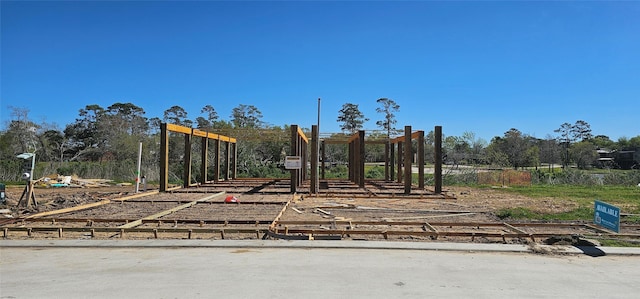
(607, 216)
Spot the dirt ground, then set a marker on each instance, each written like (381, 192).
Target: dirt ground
(373, 208)
(466, 199)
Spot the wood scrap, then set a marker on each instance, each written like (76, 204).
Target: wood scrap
(296, 210)
(322, 211)
(425, 217)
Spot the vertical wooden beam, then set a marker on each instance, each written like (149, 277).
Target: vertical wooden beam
(392, 161)
(361, 158)
(164, 158)
(352, 163)
(407, 159)
(324, 157)
(293, 151)
(227, 174)
(305, 160)
(437, 175)
(386, 161)
(204, 157)
(314, 159)
(216, 169)
(234, 166)
(420, 160)
(186, 177)
(399, 161)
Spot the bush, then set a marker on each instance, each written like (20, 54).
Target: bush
(375, 172)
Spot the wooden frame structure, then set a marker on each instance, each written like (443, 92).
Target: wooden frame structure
(230, 148)
(299, 144)
(405, 157)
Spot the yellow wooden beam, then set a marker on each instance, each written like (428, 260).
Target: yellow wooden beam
(199, 133)
(304, 137)
(178, 129)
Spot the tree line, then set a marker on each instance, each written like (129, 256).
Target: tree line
(109, 137)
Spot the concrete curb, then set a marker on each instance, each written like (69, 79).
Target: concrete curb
(434, 246)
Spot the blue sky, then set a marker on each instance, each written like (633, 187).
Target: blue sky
(483, 67)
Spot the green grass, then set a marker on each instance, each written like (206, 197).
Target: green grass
(582, 194)
(581, 213)
(627, 197)
(618, 243)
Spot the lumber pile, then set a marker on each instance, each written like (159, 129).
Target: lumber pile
(56, 180)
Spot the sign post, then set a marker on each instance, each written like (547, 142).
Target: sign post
(607, 216)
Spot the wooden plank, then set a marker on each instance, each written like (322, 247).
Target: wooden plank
(199, 133)
(136, 195)
(72, 209)
(178, 129)
(427, 217)
(169, 211)
(304, 137)
(513, 228)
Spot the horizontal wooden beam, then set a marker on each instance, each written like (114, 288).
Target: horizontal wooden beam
(199, 133)
(414, 135)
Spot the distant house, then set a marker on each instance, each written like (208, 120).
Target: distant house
(605, 158)
(626, 159)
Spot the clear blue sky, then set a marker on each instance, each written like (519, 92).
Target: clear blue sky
(483, 67)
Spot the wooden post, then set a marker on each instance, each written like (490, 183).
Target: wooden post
(204, 158)
(437, 175)
(293, 151)
(361, 155)
(386, 160)
(216, 167)
(392, 161)
(164, 157)
(407, 159)
(186, 177)
(305, 160)
(420, 160)
(227, 174)
(314, 159)
(399, 161)
(234, 166)
(351, 165)
(324, 157)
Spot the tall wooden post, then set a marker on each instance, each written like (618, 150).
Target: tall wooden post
(351, 162)
(407, 160)
(361, 155)
(420, 160)
(227, 174)
(324, 157)
(314, 159)
(187, 160)
(234, 164)
(216, 167)
(164, 157)
(392, 162)
(437, 175)
(386, 161)
(399, 161)
(293, 151)
(204, 157)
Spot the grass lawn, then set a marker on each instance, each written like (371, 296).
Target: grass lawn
(627, 198)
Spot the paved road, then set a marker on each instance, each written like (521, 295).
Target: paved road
(116, 272)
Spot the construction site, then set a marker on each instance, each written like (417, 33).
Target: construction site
(305, 206)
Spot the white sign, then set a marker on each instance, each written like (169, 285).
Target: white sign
(292, 162)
